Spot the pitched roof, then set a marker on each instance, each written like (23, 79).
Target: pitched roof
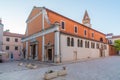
(5, 33)
(117, 36)
(113, 37)
(72, 20)
(67, 17)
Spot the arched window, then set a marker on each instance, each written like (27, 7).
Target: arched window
(86, 44)
(101, 39)
(85, 32)
(75, 30)
(63, 25)
(68, 41)
(78, 43)
(92, 35)
(81, 43)
(97, 46)
(72, 42)
(92, 45)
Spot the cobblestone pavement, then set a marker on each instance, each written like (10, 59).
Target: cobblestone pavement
(97, 69)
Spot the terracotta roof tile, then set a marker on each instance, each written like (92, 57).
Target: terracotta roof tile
(12, 34)
(117, 36)
(73, 20)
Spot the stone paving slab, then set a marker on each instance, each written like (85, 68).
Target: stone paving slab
(98, 69)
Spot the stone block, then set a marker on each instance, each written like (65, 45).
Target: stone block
(20, 64)
(48, 76)
(62, 72)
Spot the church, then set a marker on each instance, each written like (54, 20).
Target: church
(52, 37)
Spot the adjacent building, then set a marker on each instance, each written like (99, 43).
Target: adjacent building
(53, 37)
(10, 43)
(111, 41)
(1, 34)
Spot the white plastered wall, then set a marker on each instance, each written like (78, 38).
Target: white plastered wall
(77, 53)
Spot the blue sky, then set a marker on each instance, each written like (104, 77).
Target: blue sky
(104, 14)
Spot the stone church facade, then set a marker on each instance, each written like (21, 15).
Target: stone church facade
(53, 37)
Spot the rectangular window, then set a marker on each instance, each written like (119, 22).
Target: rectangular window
(16, 40)
(63, 25)
(7, 39)
(7, 47)
(16, 47)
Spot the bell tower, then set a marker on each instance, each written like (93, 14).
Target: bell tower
(86, 19)
(1, 34)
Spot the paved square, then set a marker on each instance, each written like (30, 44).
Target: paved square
(97, 69)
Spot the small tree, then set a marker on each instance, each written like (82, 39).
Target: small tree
(117, 45)
(7, 30)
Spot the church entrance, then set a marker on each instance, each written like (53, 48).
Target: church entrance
(33, 51)
(49, 54)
